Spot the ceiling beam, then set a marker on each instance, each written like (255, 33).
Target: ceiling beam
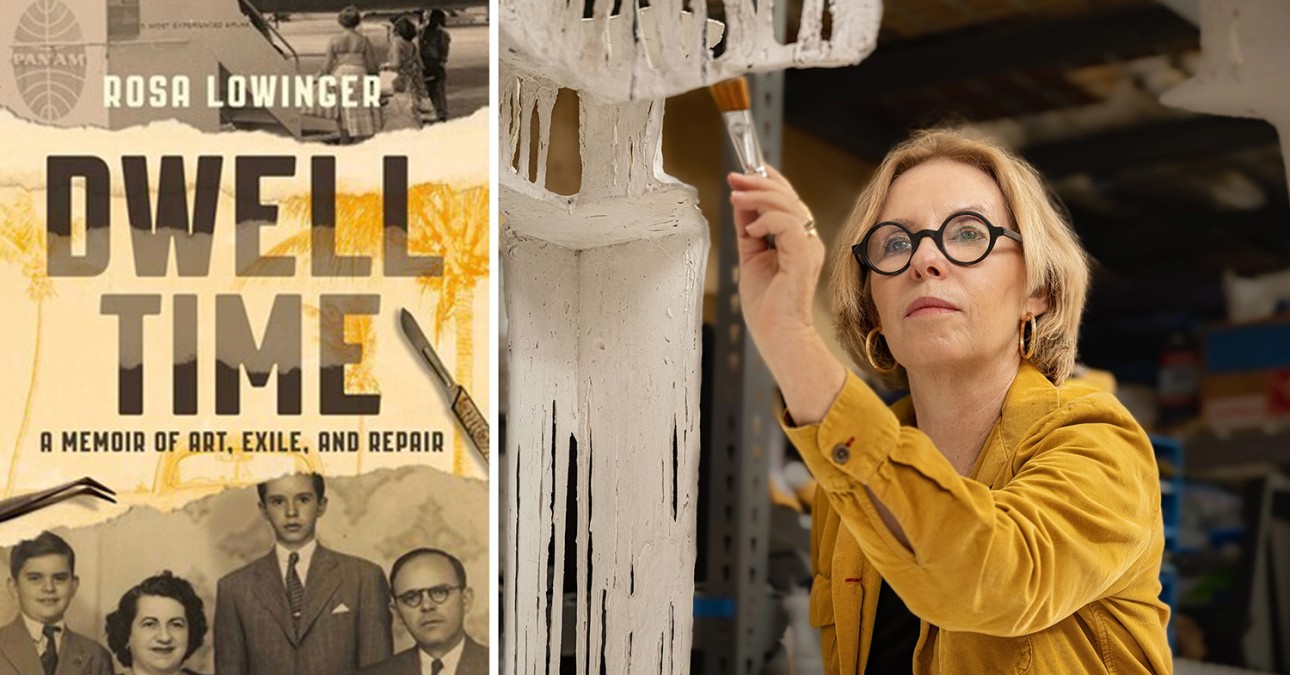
(983, 52)
(1187, 9)
(1101, 154)
(856, 132)
(1145, 145)
(1173, 245)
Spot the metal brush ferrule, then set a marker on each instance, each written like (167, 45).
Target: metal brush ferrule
(743, 133)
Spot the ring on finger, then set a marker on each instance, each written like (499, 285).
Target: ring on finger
(809, 226)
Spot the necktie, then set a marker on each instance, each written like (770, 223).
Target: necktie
(436, 667)
(49, 657)
(295, 589)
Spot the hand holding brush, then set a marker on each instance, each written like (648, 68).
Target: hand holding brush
(736, 111)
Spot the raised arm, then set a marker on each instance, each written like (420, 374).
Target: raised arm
(777, 289)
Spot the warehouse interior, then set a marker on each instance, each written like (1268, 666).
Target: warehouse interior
(1185, 215)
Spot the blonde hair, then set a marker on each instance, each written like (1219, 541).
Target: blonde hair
(1056, 264)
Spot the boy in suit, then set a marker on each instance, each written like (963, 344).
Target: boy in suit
(432, 599)
(38, 642)
(303, 609)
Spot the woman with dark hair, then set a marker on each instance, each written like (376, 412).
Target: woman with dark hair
(157, 625)
(406, 62)
(351, 54)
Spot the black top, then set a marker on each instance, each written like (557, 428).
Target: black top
(895, 634)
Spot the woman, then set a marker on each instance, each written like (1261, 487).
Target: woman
(999, 518)
(401, 108)
(352, 54)
(406, 62)
(157, 625)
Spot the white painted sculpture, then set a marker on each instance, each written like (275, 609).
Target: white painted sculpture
(604, 293)
(1243, 70)
(666, 48)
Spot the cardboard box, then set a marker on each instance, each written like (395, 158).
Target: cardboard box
(1245, 379)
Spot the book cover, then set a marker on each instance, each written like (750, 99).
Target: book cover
(213, 216)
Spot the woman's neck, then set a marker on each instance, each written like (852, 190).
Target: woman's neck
(957, 407)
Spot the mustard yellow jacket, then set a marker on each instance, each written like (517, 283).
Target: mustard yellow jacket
(1046, 560)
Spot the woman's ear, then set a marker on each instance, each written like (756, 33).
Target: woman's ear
(1037, 303)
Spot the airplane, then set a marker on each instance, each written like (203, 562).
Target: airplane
(384, 6)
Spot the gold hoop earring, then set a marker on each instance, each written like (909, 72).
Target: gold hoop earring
(1027, 350)
(868, 352)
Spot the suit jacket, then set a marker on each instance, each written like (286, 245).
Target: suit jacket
(79, 655)
(344, 624)
(474, 661)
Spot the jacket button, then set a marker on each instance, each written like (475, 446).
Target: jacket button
(841, 454)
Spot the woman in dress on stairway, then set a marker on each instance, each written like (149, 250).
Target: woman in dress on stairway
(351, 54)
(405, 60)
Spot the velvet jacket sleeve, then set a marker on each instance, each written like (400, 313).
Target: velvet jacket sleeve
(1075, 515)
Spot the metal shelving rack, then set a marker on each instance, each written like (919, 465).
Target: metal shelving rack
(733, 603)
(734, 627)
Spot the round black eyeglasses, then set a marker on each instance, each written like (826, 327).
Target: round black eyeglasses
(438, 594)
(966, 238)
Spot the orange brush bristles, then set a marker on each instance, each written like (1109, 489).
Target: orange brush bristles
(731, 94)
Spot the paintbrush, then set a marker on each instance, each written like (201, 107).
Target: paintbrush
(735, 104)
(733, 101)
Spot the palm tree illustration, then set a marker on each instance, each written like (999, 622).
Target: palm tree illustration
(22, 243)
(443, 221)
(461, 221)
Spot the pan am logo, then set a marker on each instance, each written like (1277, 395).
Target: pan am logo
(49, 59)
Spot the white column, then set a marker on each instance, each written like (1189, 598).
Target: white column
(604, 298)
(604, 293)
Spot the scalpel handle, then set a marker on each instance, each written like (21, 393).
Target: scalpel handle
(474, 422)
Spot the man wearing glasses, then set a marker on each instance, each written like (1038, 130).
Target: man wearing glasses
(431, 598)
